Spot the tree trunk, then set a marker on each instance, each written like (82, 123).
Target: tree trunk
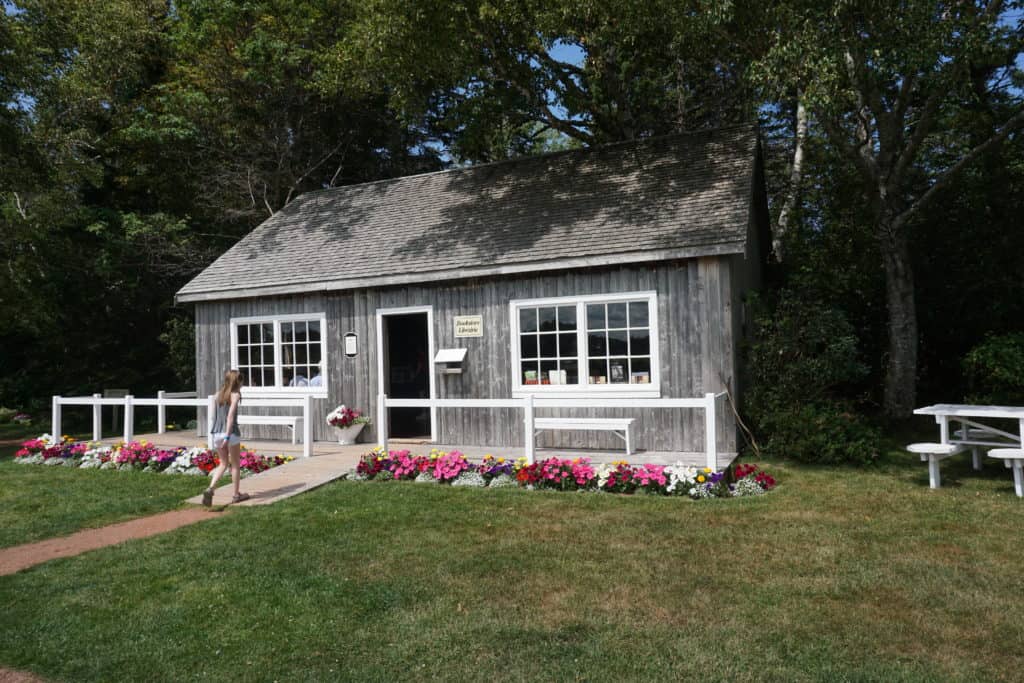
(901, 371)
(795, 177)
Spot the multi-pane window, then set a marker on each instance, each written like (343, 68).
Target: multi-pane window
(548, 345)
(300, 353)
(589, 341)
(256, 357)
(619, 343)
(282, 352)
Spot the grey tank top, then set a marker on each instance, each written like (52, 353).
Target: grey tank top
(221, 419)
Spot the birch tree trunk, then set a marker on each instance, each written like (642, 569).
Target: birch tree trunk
(796, 173)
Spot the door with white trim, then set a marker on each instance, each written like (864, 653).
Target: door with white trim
(405, 351)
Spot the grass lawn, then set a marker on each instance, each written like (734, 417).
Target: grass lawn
(837, 575)
(39, 502)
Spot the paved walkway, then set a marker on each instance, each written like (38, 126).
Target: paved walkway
(298, 476)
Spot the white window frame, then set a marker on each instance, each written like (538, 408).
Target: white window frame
(276, 320)
(652, 390)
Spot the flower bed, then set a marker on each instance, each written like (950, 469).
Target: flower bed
(578, 474)
(135, 455)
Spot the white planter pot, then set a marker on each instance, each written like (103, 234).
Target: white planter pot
(348, 435)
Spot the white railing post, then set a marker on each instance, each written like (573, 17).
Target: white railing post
(528, 428)
(211, 411)
(307, 426)
(97, 418)
(55, 422)
(129, 418)
(161, 413)
(382, 421)
(710, 429)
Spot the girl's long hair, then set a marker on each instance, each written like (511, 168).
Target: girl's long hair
(232, 384)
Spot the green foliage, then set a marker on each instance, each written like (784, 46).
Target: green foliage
(826, 433)
(995, 370)
(468, 69)
(802, 362)
(6, 414)
(803, 351)
(179, 336)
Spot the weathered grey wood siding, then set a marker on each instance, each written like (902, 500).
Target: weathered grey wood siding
(696, 318)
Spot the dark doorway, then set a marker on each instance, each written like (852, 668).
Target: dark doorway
(407, 372)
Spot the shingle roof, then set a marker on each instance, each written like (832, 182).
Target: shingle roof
(686, 194)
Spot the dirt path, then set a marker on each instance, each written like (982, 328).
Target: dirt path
(10, 676)
(23, 556)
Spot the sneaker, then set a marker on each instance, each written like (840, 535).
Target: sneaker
(240, 497)
(208, 497)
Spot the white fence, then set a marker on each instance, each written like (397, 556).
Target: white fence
(708, 403)
(163, 400)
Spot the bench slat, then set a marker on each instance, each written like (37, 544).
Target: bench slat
(581, 423)
(267, 420)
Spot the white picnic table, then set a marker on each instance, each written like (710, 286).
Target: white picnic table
(1005, 445)
(972, 432)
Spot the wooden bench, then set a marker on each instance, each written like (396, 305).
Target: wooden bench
(1014, 459)
(621, 427)
(933, 453)
(290, 421)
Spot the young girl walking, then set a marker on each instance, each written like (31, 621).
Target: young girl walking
(227, 439)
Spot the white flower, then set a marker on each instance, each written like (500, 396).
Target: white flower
(681, 477)
(92, 458)
(469, 478)
(747, 486)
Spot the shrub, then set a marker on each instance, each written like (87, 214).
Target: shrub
(825, 433)
(7, 414)
(803, 367)
(995, 370)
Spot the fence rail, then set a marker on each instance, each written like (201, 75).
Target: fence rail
(165, 399)
(708, 403)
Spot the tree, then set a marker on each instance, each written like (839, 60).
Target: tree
(467, 69)
(884, 80)
(241, 109)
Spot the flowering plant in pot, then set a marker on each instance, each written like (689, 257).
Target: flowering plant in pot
(348, 422)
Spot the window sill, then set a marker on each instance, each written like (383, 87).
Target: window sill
(600, 391)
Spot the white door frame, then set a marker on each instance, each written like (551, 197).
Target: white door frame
(429, 310)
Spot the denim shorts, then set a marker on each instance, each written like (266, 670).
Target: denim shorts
(231, 439)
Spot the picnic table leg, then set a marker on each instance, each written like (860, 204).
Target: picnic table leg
(975, 451)
(1018, 478)
(933, 471)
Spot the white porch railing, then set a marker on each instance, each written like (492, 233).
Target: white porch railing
(708, 403)
(163, 400)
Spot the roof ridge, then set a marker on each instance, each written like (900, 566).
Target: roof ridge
(535, 157)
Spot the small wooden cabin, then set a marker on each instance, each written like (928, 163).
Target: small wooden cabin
(613, 271)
